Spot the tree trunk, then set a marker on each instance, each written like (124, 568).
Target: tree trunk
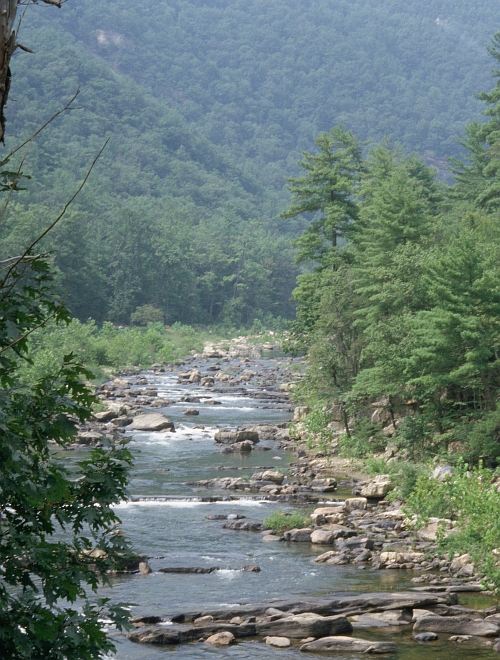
(8, 10)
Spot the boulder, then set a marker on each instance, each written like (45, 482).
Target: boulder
(442, 472)
(300, 413)
(105, 415)
(328, 535)
(298, 535)
(191, 411)
(279, 642)
(224, 638)
(152, 422)
(325, 514)
(349, 644)
(227, 436)
(376, 488)
(273, 476)
(356, 503)
(326, 485)
(425, 637)
(457, 625)
(308, 624)
(395, 558)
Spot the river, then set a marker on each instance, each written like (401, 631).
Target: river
(168, 521)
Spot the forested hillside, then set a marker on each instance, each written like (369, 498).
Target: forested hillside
(208, 106)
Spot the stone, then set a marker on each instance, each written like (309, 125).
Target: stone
(433, 527)
(425, 637)
(377, 488)
(458, 625)
(302, 535)
(307, 624)
(300, 413)
(122, 420)
(349, 644)
(269, 475)
(395, 558)
(203, 620)
(152, 422)
(224, 638)
(323, 537)
(442, 472)
(460, 562)
(191, 411)
(227, 436)
(144, 568)
(279, 642)
(327, 485)
(324, 514)
(321, 559)
(356, 503)
(105, 415)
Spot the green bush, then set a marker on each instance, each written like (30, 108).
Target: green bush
(281, 521)
(365, 440)
(471, 497)
(146, 314)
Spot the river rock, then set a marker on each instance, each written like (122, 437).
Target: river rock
(191, 411)
(458, 625)
(244, 447)
(325, 514)
(396, 558)
(105, 415)
(307, 624)
(228, 436)
(302, 535)
(224, 638)
(326, 485)
(376, 488)
(152, 422)
(279, 642)
(356, 503)
(349, 644)
(425, 637)
(273, 476)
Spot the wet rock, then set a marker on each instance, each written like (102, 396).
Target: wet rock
(144, 568)
(425, 637)
(224, 638)
(298, 535)
(244, 447)
(90, 438)
(459, 625)
(243, 525)
(152, 422)
(251, 568)
(327, 485)
(191, 411)
(227, 436)
(278, 642)
(349, 644)
(302, 625)
(203, 620)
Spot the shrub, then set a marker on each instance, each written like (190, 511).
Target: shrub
(473, 500)
(281, 521)
(146, 314)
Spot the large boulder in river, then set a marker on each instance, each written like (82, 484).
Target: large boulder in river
(151, 422)
(228, 436)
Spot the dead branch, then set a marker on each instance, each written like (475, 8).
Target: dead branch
(57, 219)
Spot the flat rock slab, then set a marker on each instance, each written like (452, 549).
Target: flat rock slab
(152, 422)
(457, 625)
(336, 604)
(303, 625)
(350, 644)
(278, 642)
(179, 634)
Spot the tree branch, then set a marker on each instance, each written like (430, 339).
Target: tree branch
(59, 217)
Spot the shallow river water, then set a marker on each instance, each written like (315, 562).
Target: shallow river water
(167, 521)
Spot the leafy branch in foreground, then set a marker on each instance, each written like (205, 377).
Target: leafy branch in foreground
(57, 528)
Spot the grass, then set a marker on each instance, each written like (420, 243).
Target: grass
(281, 521)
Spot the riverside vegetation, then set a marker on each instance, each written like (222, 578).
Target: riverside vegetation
(399, 316)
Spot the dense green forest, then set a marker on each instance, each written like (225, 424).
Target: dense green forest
(208, 106)
(400, 310)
